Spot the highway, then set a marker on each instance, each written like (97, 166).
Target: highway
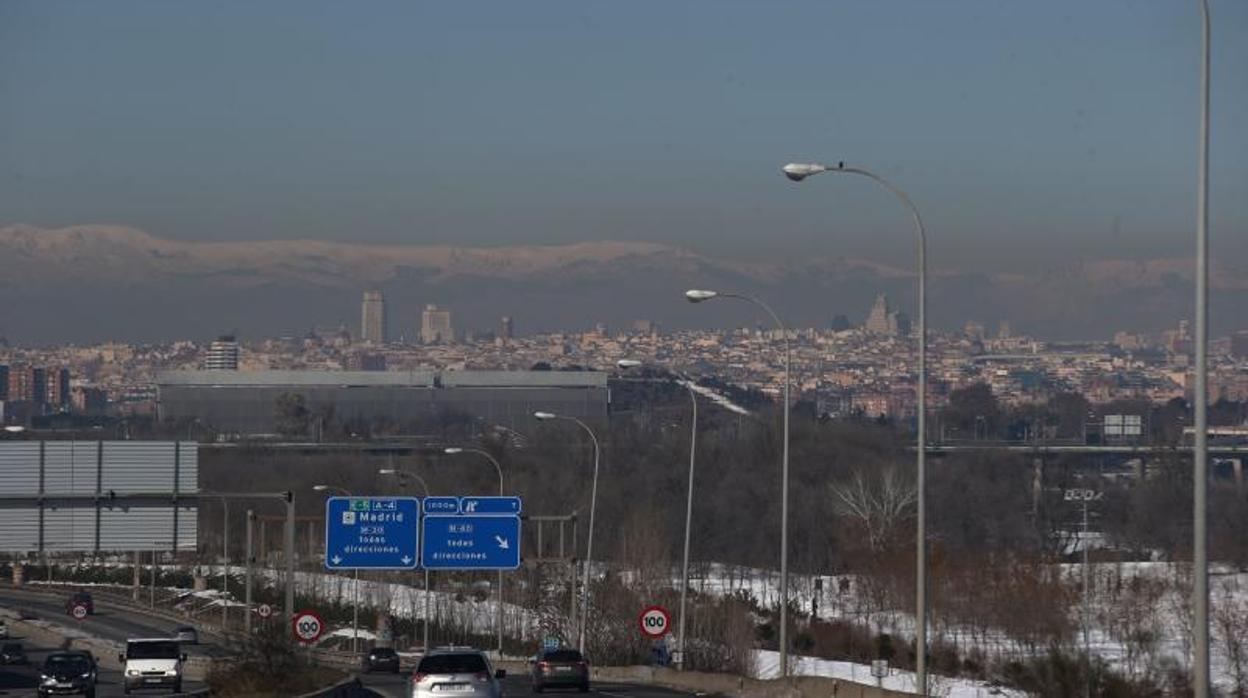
(117, 624)
(108, 622)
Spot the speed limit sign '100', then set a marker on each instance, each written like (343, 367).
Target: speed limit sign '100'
(307, 626)
(654, 621)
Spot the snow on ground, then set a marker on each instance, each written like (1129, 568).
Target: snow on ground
(767, 666)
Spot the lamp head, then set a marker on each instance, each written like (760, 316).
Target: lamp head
(797, 171)
(452, 450)
(545, 415)
(697, 295)
(320, 488)
(387, 471)
(627, 363)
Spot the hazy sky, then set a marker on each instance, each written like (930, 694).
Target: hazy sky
(1025, 131)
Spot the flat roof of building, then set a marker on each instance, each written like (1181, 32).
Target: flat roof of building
(413, 379)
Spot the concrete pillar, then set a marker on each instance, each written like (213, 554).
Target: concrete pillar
(138, 579)
(19, 573)
(1237, 465)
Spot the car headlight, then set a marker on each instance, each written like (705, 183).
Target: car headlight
(171, 672)
(132, 672)
(86, 675)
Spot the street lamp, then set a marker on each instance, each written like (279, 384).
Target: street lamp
(355, 591)
(454, 451)
(593, 502)
(798, 172)
(406, 474)
(625, 364)
(1200, 447)
(698, 296)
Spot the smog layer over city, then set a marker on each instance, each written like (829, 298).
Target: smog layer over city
(401, 349)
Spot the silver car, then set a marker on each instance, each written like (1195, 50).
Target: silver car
(466, 673)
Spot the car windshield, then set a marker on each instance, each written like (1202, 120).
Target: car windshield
(452, 664)
(12, 647)
(563, 656)
(152, 650)
(383, 652)
(67, 662)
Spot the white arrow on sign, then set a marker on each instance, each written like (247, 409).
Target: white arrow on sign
(406, 559)
(336, 559)
(502, 542)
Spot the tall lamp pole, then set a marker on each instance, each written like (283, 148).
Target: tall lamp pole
(403, 475)
(1200, 581)
(798, 172)
(455, 450)
(698, 296)
(625, 364)
(355, 591)
(593, 503)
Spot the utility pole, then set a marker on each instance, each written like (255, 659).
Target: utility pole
(251, 519)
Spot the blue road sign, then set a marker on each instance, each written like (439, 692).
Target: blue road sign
(471, 542)
(441, 505)
(371, 533)
(490, 505)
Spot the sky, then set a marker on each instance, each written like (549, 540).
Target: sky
(1026, 132)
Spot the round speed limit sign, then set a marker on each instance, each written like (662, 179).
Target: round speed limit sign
(654, 622)
(264, 610)
(79, 611)
(307, 626)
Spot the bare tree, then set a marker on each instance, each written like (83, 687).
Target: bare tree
(1230, 619)
(879, 503)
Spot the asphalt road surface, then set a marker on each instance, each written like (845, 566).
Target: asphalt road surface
(108, 622)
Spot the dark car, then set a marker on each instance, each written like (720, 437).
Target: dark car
(382, 659)
(80, 597)
(561, 667)
(67, 673)
(12, 653)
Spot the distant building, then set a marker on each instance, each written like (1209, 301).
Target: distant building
(366, 361)
(877, 319)
(4, 382)
(88, 400)
(883, 320)
(1004, 331)
(28, 384)
(506, 330)
(840, 323)
(222, 354)
(57, 387)
(373, 318)
(435, 326)
(974, 330)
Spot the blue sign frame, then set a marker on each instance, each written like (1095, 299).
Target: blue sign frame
(372, 533)
(498, 506)
(465, 542)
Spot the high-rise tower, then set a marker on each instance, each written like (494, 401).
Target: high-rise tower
(222, 354)
(373, 318)
(435, 326)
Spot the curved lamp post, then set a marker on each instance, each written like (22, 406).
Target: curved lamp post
(589, 546)
(355, 590)
(456, 450)
(798, 172)
(699, 296)
(625, 364)
(407, 474)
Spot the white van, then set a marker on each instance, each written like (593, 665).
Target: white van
(152, 663)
